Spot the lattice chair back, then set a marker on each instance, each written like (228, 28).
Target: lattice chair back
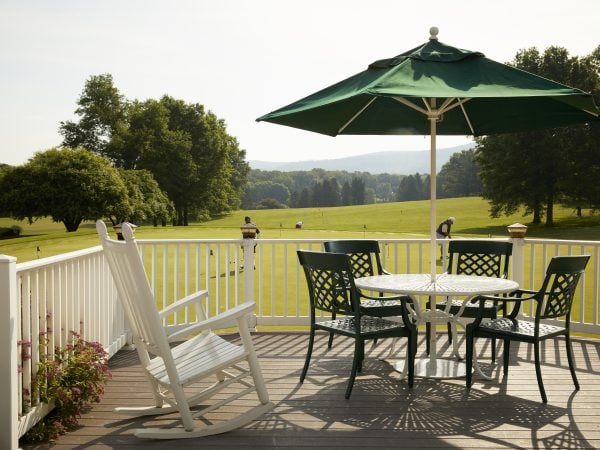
(558, 289)
(364, 256)
(330, 282)
(482, 258)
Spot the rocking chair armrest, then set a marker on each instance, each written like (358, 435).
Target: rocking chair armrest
(182, 303)
(219, 321)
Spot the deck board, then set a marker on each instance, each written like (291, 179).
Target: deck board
(504, 413)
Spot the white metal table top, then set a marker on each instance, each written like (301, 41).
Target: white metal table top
(444, 284)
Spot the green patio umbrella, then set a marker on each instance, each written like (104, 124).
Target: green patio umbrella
(438, 89)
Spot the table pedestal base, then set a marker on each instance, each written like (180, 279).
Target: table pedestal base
(444, 368)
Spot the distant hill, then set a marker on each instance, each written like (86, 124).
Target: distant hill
(396, 162)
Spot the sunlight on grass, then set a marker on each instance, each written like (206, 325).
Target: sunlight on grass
(394, 220)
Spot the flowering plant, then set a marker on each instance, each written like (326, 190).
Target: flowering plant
(71, 379)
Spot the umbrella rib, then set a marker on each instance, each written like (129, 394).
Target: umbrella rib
(410, 104)
(343, 127)
(448, 105)
(467, 119)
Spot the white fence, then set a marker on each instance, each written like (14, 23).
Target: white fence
(74, 292)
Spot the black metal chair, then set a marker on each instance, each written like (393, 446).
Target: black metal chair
(553, 301)
(483, 258)
(366, 261)
(331, 289)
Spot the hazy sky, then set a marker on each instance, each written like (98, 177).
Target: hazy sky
(244, 58)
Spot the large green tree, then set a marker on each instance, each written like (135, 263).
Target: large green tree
(146, 201)
(459, 177)
(68, 185)
(187, 149)
(536, 170)
(102, 111)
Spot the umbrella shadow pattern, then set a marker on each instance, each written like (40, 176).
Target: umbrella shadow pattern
(428, 412)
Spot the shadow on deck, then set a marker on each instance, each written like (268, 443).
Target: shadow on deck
(382, 412)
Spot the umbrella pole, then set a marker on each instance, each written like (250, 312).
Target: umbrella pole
(433, 117)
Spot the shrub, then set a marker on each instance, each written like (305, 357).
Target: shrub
(10, 232)
(72, 378)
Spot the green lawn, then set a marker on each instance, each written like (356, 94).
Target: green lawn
(407, 219)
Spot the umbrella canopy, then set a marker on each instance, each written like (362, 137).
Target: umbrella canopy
(438, 89)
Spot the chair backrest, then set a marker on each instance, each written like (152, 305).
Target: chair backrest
(364, 256)
(558, 289)
(133, 289)
(330, 282)
(483, 258)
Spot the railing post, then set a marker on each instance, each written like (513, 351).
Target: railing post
(9, 419)
(518, 261)
(248, 244)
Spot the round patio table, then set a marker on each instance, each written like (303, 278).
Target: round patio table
(467, 286)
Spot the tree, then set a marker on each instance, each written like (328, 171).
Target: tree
(542, 168)
(305, 199)
(357, 187)
(459, 177)
(146, 201)
(102, 110)
(346, 194)
(255, 192)
(69, 185)
(187, 149)
(413, 187)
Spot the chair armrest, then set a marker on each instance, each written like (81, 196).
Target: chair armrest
(219, 321)
(382, 298)
(182, 303)
(516, 296)
(481, 299)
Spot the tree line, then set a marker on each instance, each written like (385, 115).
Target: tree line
(459, 177)
(152, 160)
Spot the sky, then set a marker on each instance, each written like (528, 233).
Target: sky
(244, 58)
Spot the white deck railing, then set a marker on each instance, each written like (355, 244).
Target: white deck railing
(74, 292)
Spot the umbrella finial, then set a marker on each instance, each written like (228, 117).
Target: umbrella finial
(433, 31)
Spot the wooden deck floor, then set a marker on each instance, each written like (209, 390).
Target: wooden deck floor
(382, 412)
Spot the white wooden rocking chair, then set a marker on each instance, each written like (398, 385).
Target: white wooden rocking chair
(172, 367)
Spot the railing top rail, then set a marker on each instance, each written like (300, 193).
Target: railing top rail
(37, 263)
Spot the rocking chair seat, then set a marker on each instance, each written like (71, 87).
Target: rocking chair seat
(199, 357)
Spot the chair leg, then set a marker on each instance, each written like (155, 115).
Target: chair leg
(469, 356)
(355, 363)
(361, 356)
(571, 361)
(494, 316)
(330, 342)
(538, 371)
(412, 353)
(506, 355)
(449, 333)
(427, 336)
(311, 341)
